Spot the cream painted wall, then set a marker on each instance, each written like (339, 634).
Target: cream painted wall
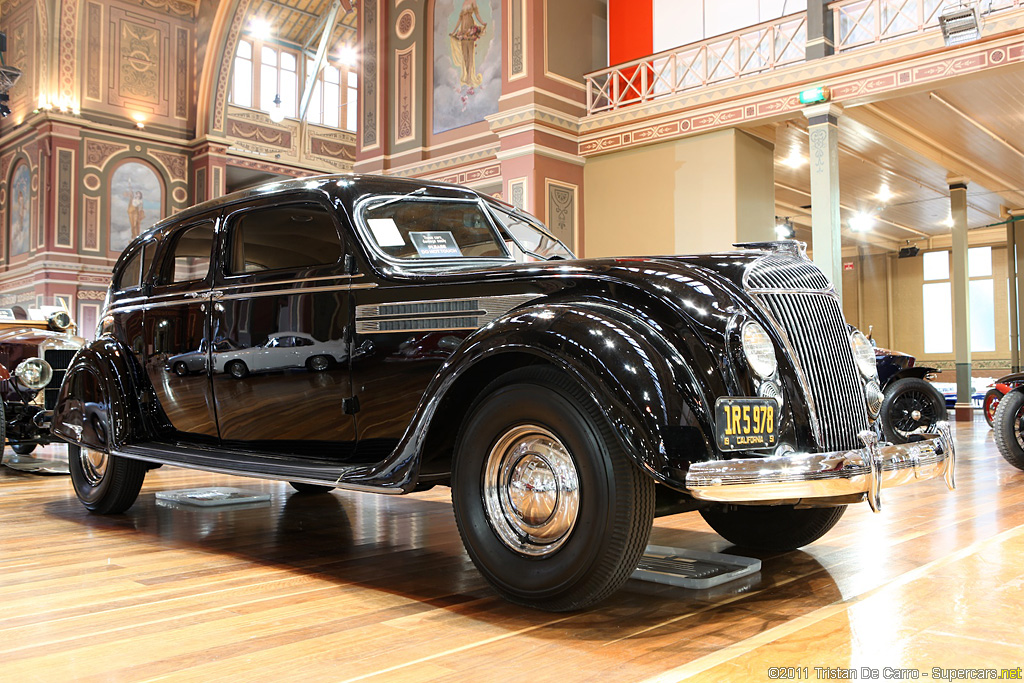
(694, 195)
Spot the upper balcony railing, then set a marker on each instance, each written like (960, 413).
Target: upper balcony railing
(762, 48)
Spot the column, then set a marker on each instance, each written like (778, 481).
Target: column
(1014, 277)
(961, 299)
(823, 129)
(820, 27)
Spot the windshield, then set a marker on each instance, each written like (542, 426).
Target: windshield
(528, 241)
(423, 229)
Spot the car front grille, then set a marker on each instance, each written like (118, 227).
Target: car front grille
(813, 322)
(59, 360)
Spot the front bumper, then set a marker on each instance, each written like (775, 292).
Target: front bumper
(844, 474)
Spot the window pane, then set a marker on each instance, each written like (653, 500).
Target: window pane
(331, 111)
(427, 229)
(287, 61)
(244, 49)
(190, 259)
(938, 318)
(936, 265)
(241, 92)
(315, 112)
(352, 110)
(270, 56)
(979, 262)
(289, 87)
(284, 237)
(130, 272)
(331, 74)
(353, 79)
(983, 318)
(268, 87)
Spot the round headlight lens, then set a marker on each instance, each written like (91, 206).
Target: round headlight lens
(863, 354)
(759, 350)
(60, 321)
(34, 373)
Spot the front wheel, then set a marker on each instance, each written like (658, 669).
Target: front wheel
(1008, 428)
(911, 406)
(989, 405)
(106, 484)
(180, 368)
(550, 509)
(776, 528)
(237, 369)
(319, 363)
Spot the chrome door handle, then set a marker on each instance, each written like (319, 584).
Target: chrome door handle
(194, 295)
(216, 294)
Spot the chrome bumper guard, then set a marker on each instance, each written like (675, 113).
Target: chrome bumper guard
(827, 475)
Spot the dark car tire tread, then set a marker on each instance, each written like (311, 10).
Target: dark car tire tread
(301, 487)
(894, 391)
(776, 528)
(118, 489)
(616, 498)
(1006, 415)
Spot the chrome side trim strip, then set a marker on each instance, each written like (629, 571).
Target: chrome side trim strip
(205, 295)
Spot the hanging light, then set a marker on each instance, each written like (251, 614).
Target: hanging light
(960, 24)
(276, 113)
(784, 228)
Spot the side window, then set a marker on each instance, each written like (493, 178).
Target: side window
(131, 272)
(189, 257)
(288, 237)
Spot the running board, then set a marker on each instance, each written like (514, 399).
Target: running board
(250, 464)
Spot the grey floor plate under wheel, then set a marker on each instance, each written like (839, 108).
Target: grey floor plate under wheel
(692, 568)
(33, 465)
(212, 497)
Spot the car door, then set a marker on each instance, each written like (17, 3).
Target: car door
(177, 325)
(282, 274)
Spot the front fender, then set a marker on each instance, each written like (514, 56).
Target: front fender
(918, 372)
(99, 402)
(643, 384)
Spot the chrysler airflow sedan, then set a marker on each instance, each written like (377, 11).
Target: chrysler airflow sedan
(564, 401)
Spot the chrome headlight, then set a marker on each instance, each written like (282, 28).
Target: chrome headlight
(873, 396)
(60, 321)
(34, 373)
(759, 350)
(863, 354)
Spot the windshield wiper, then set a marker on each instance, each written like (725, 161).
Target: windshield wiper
(417, 191)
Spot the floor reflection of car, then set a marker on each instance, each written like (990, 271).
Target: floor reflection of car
(195, 361)
(280, 351)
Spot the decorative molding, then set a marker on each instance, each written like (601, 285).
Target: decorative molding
(94, 52)
(91, 231)
(475, 175)
(517, 37)
(437, 165)
(531, 113)
(139, 62)
(405, 24)
(65, 198)
(405, 95)
(91, 295)
(68, 50)
(181, 91)
(517, 197)
(561, 200)
(220, 97)
(98, 153)
(370, 81)
(262, 135)
(177, 8)
(176, 164)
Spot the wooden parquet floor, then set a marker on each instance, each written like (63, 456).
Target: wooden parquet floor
(348, 587)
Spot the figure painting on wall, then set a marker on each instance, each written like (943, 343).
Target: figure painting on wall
(20, 219)
(467, 61)
(136, 202)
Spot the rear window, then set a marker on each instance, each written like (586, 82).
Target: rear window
(413, 229)
(288, 237)
(189, 259)
(130, 274)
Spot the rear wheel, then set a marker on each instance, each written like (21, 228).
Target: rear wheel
(180, 368)
(237, 369)
(1008, 429)
(911, 406)
(989, 405)
(310, 488)
(550, 509)
(106, 484)
(777, 528)
(318, 363)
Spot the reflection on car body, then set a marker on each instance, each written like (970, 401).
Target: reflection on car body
(559, 398)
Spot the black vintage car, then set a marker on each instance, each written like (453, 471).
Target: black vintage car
(563, 401)
(36, 346)
(911, 404)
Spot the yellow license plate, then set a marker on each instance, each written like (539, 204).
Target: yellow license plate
(746, 423)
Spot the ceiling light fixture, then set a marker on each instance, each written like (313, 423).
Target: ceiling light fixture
(794, 160)
(347, 55)
(259, 28)
(885, 194)
(784, 228)
(960, 24)
(276, 113)
(862, 222)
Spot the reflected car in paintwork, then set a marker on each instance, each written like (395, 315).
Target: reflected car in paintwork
(281, 350)
(36, 347)
(565, 401)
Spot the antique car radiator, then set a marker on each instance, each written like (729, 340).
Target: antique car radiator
(796, 294)
(59, 360)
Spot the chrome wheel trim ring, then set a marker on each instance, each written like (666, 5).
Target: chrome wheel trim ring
(531, 490)
(94, 464)
(318, 363)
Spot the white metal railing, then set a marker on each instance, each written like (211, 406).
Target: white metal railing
(859, 23)
(753, 50)
(762, 48)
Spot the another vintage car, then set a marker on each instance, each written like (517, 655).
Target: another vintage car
(573, 400)
(281, 350)
(995, 393)
(36, 346)
(1007, 397)
(911, 405)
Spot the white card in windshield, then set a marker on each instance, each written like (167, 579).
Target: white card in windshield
(386, 232)
(435, 244)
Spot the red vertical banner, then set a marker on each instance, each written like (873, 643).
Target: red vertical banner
(630, 36)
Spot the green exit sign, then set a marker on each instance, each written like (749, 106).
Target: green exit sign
(814, 95)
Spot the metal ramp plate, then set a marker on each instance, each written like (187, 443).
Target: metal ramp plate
(212, 497)
(692, 568)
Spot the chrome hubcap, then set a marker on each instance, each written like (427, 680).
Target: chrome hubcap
(531, 490)
(916, 414)
(94, 465)
(319, 363)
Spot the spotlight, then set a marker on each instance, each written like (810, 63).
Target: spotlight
(784, 228)
(959, 25)
(259, 28)
(347, 55)
(909, 252)
(862, 222)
